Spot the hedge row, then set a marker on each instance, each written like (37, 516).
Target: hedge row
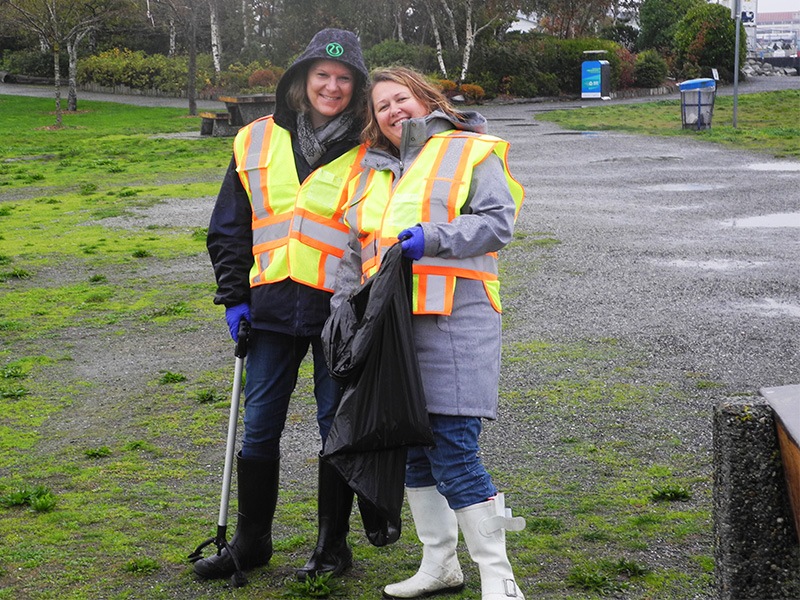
(522, 65)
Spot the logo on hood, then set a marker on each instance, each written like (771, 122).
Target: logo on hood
(334, 49)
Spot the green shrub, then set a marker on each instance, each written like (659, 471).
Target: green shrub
(508, 67)
(391, 52)
(32, 63)
(649, 70)
(658, 20)
(563, 58)
(136, 70)
(706, 38)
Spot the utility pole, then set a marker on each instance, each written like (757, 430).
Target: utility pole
(737, 7)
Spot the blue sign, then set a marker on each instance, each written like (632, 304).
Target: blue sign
(591, 79)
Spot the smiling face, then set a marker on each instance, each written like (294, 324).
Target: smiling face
(394, 103)
(329, 87)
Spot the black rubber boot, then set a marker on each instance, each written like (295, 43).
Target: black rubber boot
(334, 505)
(252, 542)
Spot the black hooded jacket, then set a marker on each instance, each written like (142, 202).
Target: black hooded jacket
(286, 306)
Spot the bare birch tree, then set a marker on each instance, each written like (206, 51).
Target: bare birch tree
(216, 40)
(59, 24)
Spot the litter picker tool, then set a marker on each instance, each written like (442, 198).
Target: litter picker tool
(238, 579)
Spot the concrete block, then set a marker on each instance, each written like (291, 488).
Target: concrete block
(756, 548)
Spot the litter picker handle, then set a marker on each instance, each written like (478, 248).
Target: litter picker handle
(240, 352)
(244, 333)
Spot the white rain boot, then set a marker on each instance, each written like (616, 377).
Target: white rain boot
(484, 526)
(437, 529)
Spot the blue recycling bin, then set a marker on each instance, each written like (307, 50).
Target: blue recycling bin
(595, 76)
(697, 103)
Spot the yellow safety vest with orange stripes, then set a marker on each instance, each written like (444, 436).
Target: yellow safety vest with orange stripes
(298, 229)
(434, 189)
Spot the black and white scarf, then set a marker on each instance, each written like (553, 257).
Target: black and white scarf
(314, 142)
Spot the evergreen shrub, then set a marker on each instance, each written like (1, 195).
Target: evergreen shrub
(32, 63)
(394, 53)
(706, 38)
(650, 69)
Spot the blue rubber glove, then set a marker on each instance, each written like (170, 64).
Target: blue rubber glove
(233, 315)
(412, 241)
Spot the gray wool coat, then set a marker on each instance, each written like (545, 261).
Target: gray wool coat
(459, 354)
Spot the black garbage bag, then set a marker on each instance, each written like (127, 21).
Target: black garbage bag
(369, 347)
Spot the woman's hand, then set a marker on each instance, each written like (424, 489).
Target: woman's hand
(234, 314)
(412, 241)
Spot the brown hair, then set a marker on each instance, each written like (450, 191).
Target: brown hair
(422, 89)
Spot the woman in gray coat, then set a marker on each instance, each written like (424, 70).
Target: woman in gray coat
(434, 181)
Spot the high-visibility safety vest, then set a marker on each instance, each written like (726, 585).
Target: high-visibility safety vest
(298, 229)
(434, 189)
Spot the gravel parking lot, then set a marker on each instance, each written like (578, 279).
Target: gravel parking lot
(680, 255)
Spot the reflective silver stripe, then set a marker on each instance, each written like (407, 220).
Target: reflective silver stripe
(320, 232)
(444, 182)
(358, 193)
(264, 256)
(435, 288)
(478, 264)
(331, 266)
(270, 233)
(254, 173)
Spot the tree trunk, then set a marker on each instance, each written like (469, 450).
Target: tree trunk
(439, 52)
(399, 22)
(470, 35)
(72, 53)
(452, 21)
(216, 43)
(173, 37)
(245, 25)
(72, 94)
(469, 41)
(57, 78)
(191, 84)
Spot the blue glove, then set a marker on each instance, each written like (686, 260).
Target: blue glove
(233, 315)
(412, 241)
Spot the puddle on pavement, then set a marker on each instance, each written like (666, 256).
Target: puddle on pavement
(771, 308)
(778, 166)
(679, 208)
(714, 265)
(774, 220)
(583, 133)
(630, 159)
(685, 187)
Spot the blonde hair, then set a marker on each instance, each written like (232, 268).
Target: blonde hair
(422, 89)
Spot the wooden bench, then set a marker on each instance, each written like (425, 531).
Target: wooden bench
(248, 108)
(217, 124)
(785, 403)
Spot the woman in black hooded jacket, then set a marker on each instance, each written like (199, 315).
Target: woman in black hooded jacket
(275, 241)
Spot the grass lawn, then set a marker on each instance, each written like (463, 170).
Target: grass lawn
(766, 122)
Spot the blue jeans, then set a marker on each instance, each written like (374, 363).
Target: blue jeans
(452, 464)
(273, 361)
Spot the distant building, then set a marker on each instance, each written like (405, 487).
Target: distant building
(777, 34)
(525, 23)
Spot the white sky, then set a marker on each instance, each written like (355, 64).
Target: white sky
(778, 5)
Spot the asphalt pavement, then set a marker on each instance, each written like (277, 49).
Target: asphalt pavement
(751, 85)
